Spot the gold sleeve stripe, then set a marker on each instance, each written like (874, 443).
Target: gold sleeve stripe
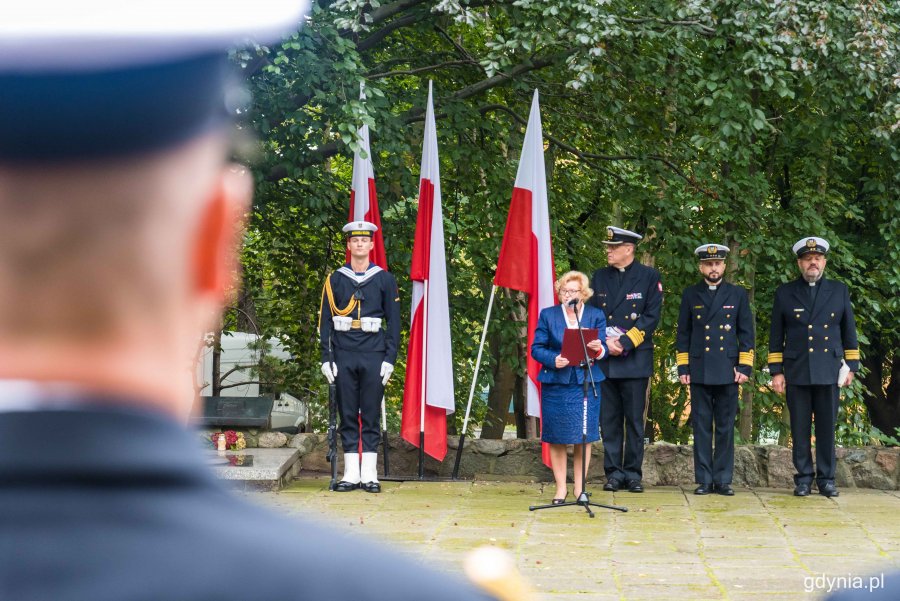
(682, 358)
(776, 357)
(851, 355)
(636, 336)
(746, 358)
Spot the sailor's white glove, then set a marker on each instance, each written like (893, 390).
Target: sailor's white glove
(386, 370)
(330, 371)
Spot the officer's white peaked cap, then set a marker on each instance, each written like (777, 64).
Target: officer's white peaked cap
(711, 252)
(811, 244)
(617, 235)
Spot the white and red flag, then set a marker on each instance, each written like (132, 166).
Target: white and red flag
(363, 199)
(429, 362)
(526, 256)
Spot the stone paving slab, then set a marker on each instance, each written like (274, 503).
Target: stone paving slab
(256, 468)
(671, 544)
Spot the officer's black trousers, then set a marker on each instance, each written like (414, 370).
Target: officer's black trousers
(622, 426)
(359, 393)
(713, 407)
(805, 403)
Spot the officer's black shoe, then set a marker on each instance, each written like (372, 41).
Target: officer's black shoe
(829, 490)
(612, 485)
(370, 486)
(703, 489)
(801, 490)
(344, 486)
(724, 489)
(635, 486)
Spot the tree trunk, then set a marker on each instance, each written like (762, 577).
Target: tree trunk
(245, 318)
(520, 405)
(882, 398)
(217, 363)
(500, 394)
(785, 433)
(745, 423)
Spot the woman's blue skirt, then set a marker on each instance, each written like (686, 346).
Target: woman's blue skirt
(562, 412)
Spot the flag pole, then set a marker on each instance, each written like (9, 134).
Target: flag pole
(424, 376)
(462, 436)
(384, 438)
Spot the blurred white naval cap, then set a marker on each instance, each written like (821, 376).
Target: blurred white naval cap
(86, 79)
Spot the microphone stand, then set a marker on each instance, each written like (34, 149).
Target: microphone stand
(584, 499)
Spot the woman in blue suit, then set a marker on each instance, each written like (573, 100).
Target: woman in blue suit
(562, 393)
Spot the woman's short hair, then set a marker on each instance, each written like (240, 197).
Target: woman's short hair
(586, 291)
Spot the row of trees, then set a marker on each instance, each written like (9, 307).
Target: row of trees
(749, 124)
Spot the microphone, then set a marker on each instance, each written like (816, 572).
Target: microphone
(572, 303)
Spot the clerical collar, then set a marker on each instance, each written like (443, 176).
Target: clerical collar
(811, 283)
(713, 288)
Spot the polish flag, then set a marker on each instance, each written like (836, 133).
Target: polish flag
(526, 256)
(363, 199)
(429, 360)
(364, 205)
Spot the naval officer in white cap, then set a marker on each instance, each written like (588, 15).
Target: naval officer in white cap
(630, 294)
(715, 345)
(812, 331)
(118, 240)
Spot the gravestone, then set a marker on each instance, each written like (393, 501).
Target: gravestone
(247, 412)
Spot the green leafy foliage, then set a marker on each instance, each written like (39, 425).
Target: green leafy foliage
(749, 124)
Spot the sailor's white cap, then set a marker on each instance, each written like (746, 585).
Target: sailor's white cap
(360, 228)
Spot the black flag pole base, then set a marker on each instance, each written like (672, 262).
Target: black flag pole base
(583, 500)
(418, 478)
(421, 477)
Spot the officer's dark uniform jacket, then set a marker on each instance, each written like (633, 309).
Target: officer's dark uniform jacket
(633, 306)
(715, 334)
(807, 343)
(118, 504)
(373, 294)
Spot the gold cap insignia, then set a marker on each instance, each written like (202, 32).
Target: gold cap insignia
(811, 243)
(712, 250)
(609, 233)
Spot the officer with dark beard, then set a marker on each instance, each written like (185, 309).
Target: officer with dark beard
(715, 355)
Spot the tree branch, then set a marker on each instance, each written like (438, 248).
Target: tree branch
(413, 115)
(226, 386)
(459, 47)
(386, 11)
(232, 370)
(419, 70)
(587, 156)
(553, 140)
(387, 30)
(704, 29)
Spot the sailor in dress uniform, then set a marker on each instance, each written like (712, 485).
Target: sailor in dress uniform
(358, 351)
